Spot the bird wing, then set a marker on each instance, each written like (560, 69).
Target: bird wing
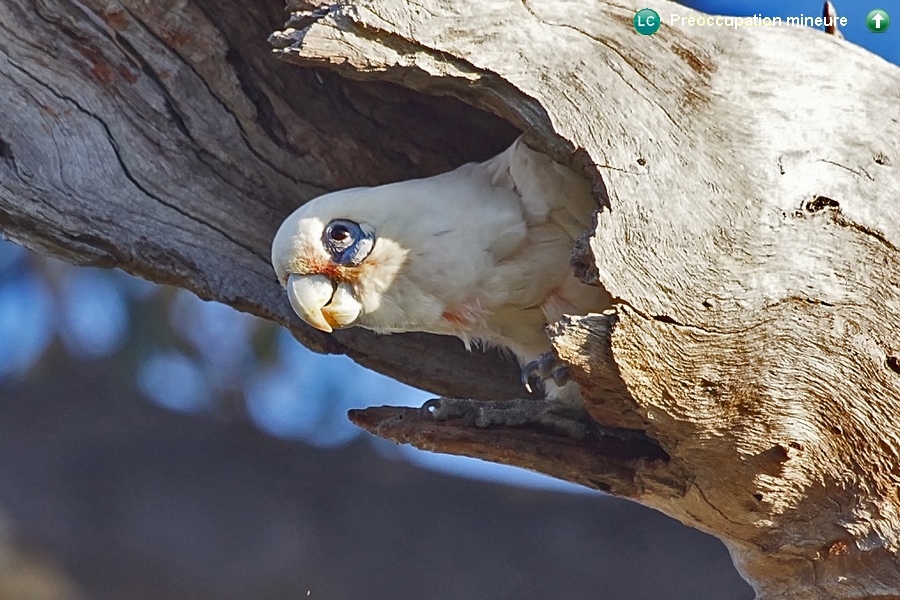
(557, 207)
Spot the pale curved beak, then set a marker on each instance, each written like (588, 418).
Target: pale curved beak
(320, 303)
(308, 295)
(343, 309)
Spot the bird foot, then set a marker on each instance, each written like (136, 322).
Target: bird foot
(560, 418)
(546, 366)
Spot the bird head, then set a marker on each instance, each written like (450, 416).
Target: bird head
(416, 255)
(333, 262)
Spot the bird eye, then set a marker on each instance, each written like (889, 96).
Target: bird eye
(348, 242)
(339, 232)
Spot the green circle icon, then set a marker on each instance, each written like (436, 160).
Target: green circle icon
(646, 21)
(877, 21)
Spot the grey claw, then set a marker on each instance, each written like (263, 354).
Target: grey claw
(529, 372)
(544, 367)
(431, 407)
(561, 375)
(441, 409)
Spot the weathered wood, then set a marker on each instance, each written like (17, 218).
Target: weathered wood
(750, 238)
(163, 139)
(607, 463)
(749, 229)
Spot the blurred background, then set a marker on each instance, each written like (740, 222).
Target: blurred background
(153, 445)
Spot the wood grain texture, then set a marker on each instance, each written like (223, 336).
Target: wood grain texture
(162, 138)
(749, 231)
(749, 235)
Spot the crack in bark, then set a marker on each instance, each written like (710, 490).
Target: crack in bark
(612, 168)
(671, 321)
(126, 171)
(735, 331)
(6, 153)
(715, 508)
(840, 220)
(148, 70)
(110, 32)
(845, 167)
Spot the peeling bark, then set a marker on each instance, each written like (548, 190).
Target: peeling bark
(749, 236)
(748, 233)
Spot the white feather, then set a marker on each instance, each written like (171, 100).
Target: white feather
(481, 252)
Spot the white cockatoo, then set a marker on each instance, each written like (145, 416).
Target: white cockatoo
(481, 253)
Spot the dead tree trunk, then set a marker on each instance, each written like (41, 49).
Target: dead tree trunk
(748, 230)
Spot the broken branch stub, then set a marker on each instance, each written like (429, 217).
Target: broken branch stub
(749, 233)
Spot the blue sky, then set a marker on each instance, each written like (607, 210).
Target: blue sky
(885, 44)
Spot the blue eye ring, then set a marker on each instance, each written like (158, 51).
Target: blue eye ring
(348, 242)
